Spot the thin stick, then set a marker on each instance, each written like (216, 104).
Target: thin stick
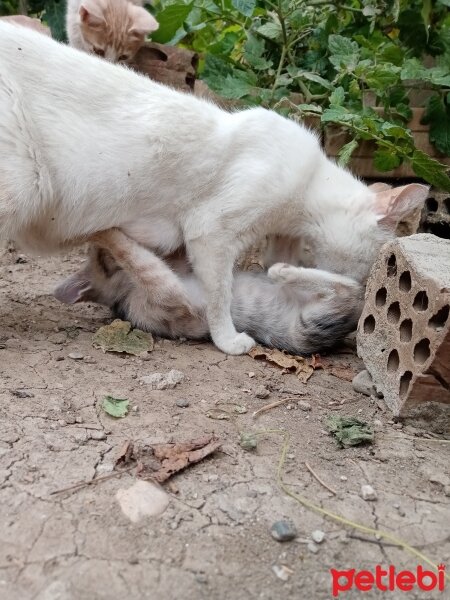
(314, 474)
(83, 484)
(272, 405)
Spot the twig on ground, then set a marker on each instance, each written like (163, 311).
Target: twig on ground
(322, 483)
(83, 484)
(271, 405)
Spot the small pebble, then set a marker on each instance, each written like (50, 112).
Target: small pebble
(283, 531)
(282, 572)
(22, 394)
(251, 374)
(343, 478)
(97, 435)
(312, 547)
(303, 405)
(90, 360)
(182, 403)
(363, 384)
(368, 493)
(318, 536)
(76, 356)
(262, 392)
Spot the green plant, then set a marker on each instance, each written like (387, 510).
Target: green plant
(338, 60)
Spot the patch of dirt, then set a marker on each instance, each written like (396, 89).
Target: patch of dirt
(213, 541)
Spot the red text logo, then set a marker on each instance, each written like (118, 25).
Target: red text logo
(387, 580)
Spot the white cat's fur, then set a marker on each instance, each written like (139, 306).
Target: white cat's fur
(86, 145)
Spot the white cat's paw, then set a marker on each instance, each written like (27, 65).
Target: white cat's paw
(284, 272)
(238, 344)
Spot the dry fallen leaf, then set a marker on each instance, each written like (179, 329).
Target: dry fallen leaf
(118, 336)
(341, 370)
(158, 462)
(289, 363)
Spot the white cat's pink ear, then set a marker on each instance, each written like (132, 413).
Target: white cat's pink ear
(379, 187)
(73, 289)
(143, 22)
(91, 13)
(392, 205)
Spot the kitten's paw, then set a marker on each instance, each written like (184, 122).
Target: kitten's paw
(284, 272)
(238, 344)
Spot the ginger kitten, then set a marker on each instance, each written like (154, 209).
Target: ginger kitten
(113, 29)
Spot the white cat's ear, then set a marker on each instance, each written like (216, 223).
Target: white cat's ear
(379, 187)
(73, 289)
(393, 204)
(143, 22)
(91, 13)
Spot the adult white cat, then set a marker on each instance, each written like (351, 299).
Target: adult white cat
(86, 145)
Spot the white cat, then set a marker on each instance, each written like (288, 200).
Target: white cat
(86, 145)
(113, 29)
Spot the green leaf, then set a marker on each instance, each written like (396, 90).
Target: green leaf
(336, 114)
(272, 31)
(245, 7)
(119, 337)
(438, 116)
(337, 97)
(55, 16)
(344, 53)
(396, 131)
(382, 76)
(253, 53)
(412, 69)
(235, 87)
(345, 153)
(316, 78)
(386, 160)
(170, 19)
(115, 407)
(431, 170)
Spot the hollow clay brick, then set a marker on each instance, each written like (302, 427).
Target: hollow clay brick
(404, 331)
(436, 214)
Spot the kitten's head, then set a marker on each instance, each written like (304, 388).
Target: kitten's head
(348, 237)
(101, 280)
(115, 29)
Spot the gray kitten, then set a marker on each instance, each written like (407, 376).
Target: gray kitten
(292, 308)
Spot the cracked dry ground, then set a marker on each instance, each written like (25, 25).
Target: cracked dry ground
(213, 540)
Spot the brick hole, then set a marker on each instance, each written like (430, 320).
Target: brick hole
(393, 361)
(404, 283)
(421, 301)
(405, 380)
(447, 204)
(369, 324)
(441, 229)
(381, 296)
(439, 320)
(406, 330)
(432, 205)
(393, 313)
(422, 351)
(392, 266)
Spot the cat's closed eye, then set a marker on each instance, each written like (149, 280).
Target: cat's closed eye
(123, 58)
(98, 51)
